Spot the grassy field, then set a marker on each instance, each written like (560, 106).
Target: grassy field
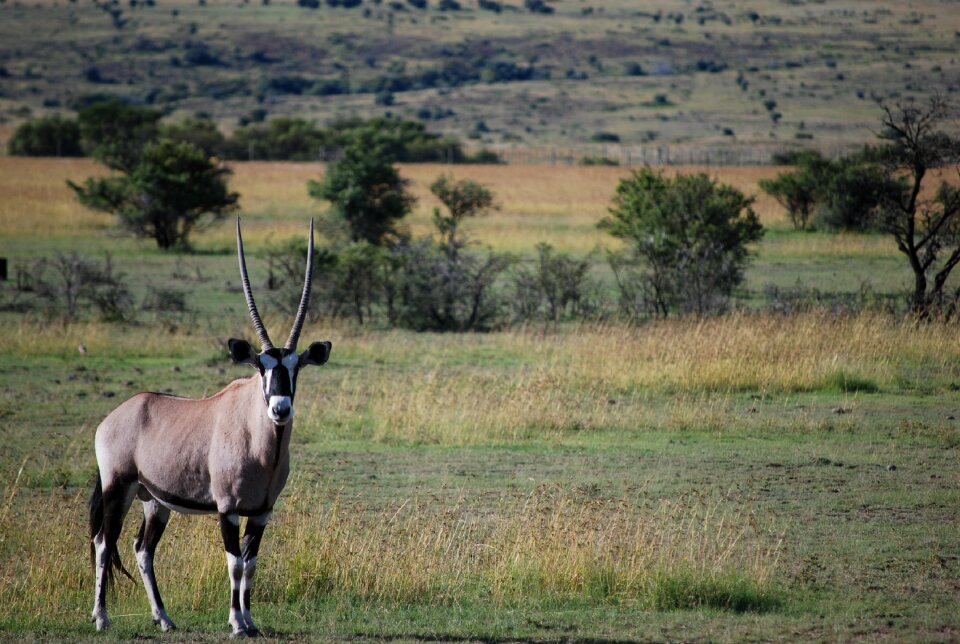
(752, 476)
(681, 74)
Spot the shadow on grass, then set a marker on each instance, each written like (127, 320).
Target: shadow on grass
(737, 595)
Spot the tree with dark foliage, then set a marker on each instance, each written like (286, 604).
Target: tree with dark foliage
(927, 230)
(366, 191)
(115, 132)
(172, 190)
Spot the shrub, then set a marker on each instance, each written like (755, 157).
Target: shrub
(366, 192)
(555, 289)
(597, 160)
(852, 193)
(689, 233)
(70, 282)
(438, 292)
(173, 189)
(199, 132)
(281, 139)
(464, 198)
(537, 6)
(52, 136)
(605, 137)
(797, 192)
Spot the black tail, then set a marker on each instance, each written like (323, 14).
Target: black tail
(96, 525)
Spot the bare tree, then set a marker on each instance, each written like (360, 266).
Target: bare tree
(926, 229)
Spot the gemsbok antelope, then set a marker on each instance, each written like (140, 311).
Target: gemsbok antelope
(228, 454)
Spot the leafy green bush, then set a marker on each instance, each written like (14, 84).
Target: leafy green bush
(51, 136)
(841, 195)
(690, 236)
(281, 139)
(172, 190)
(366, 191)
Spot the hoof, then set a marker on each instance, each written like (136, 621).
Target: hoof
(101, 620)
(165, 625)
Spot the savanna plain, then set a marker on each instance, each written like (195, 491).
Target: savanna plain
(753, 476)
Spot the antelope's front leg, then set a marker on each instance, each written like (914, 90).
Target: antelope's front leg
(230, 530)
(251, 545)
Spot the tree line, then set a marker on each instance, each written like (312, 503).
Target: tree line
(687, 239)
(111, 123)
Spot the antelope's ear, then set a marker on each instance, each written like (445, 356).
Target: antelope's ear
(242, 352)
(317, 353)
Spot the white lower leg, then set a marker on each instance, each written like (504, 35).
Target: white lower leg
(249, 568)
(145, 563)
(99, 614)
(235, 570)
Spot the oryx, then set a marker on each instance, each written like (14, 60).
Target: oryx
(228, 454)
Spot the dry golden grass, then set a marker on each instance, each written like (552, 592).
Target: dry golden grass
(35, 200)
(518, 368)
(551, 544)
(457, 389)
(559, 205)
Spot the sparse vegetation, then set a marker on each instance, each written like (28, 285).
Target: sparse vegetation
(739, 476)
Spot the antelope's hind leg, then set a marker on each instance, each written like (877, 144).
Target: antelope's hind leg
(155, 517)
(108, 507)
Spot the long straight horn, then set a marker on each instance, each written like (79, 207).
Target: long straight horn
(265, 344)
(304, 297)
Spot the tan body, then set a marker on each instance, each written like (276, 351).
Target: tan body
(230, 457)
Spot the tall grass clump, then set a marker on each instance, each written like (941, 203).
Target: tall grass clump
(551, 546)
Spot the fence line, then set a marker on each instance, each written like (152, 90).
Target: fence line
(653, 155)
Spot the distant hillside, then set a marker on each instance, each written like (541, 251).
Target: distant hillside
(555, 79)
